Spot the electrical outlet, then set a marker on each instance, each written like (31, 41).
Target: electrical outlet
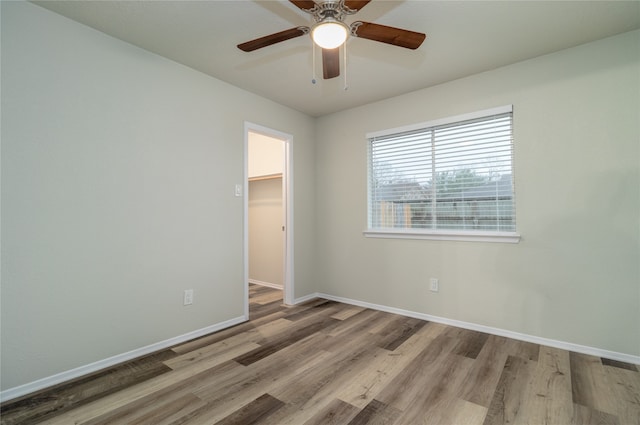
(238, 190)
(188, 297)
(433, 284)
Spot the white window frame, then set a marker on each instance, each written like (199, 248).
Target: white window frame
(436, 234)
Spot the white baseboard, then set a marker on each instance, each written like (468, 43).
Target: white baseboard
(307, 298)
(68, 375)
(598, 352)
(268, 284)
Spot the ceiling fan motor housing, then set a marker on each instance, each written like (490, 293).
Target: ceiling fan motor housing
(331, 11)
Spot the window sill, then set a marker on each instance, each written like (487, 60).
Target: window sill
(444, 235)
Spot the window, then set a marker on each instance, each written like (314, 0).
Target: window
(447, 179)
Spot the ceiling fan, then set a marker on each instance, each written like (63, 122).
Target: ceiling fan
(329, 32)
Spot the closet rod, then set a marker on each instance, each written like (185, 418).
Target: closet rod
(265, 177)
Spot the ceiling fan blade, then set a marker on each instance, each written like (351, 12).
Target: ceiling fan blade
(356, 4)
(389, 35)
(330, 63)
(270, 39)
(305, 5)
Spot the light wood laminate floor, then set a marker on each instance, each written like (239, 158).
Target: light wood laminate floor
(330, 363)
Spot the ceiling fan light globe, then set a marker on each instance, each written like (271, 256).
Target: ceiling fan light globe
(329, 35)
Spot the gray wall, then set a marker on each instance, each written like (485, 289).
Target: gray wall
(575, 275)
(118, 174)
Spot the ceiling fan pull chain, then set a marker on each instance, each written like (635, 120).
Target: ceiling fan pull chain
(313, 59)
(345, 67)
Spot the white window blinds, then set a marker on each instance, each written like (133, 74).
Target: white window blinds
(451, 175)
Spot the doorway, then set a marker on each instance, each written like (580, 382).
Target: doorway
(268, 244)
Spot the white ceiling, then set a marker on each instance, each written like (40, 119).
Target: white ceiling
(463, 38)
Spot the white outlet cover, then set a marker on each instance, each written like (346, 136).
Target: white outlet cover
(433, 284)
(188, 297)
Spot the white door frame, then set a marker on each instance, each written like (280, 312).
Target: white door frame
(287, 199)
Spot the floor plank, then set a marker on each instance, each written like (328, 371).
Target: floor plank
(618, 364)
(587, 378)
(583, 415)
(419, 374)
(432, 404)
(253, 412)
(398, 332)
(379, 373)
(625, 394)
(376, 413)
(463, 412)
(548, 399)
(486, 371)
(508, 399)
(337, 412)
